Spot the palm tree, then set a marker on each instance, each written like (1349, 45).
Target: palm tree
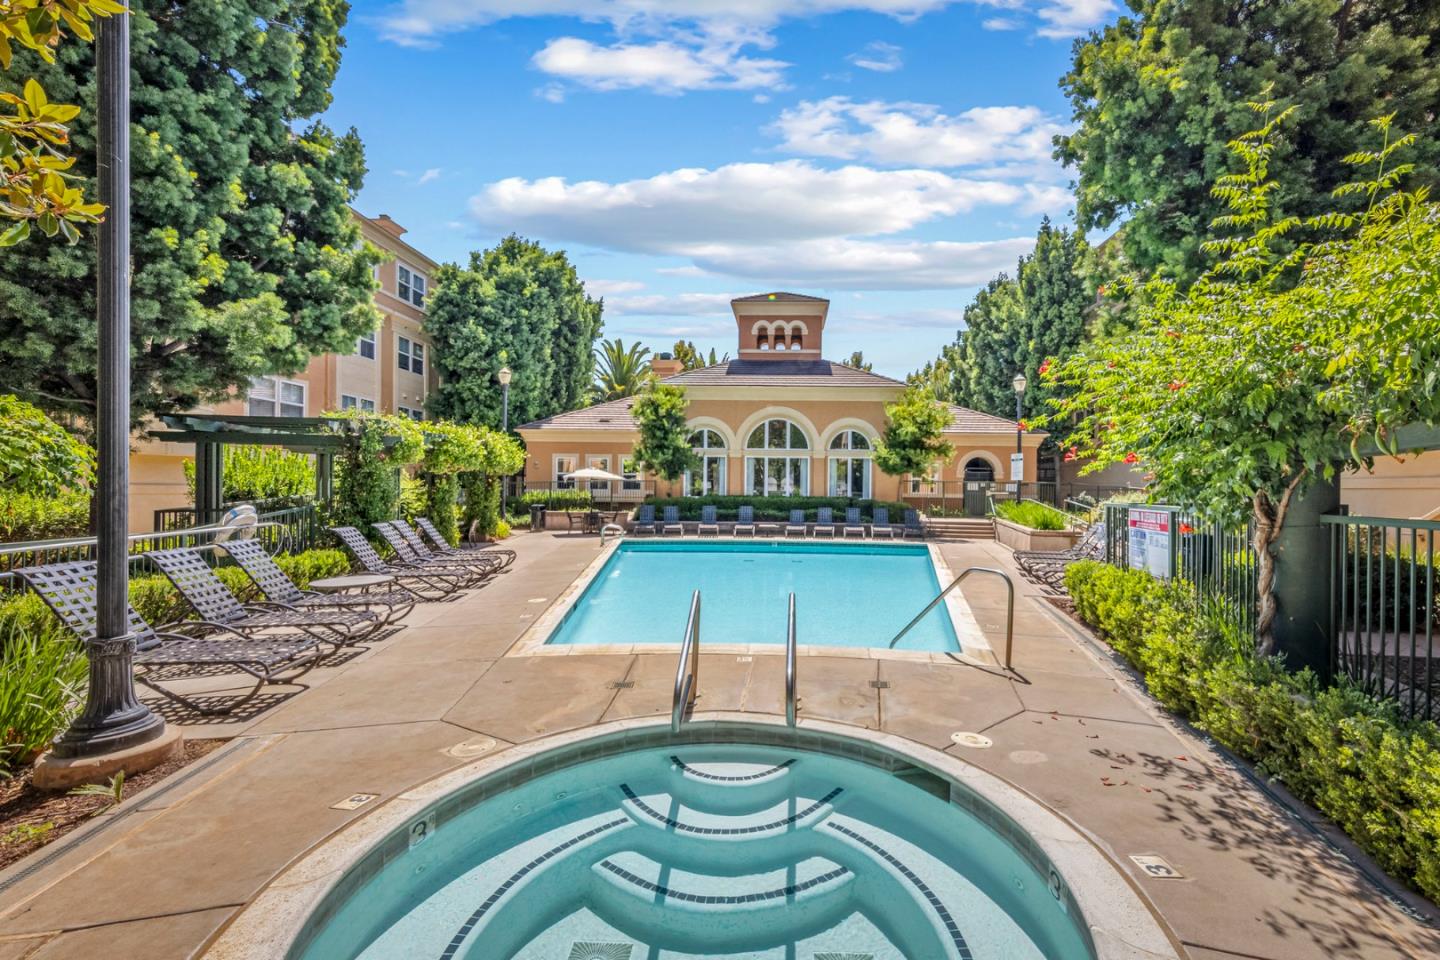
(621, 370)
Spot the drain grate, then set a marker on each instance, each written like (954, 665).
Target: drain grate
(880, 684)
(590, 950)
(621, 684)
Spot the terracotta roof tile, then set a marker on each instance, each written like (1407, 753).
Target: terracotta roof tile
(779, 295)
(781, 373)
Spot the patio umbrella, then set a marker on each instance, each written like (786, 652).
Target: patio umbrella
(594, 473)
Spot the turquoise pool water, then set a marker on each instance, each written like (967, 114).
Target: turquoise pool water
(708, 851)
(846, 595)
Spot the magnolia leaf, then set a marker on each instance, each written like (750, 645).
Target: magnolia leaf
(15, 234)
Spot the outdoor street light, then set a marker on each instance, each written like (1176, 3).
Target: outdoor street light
(504, 377)
(1019, 384)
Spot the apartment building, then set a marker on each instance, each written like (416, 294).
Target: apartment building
(390, 371)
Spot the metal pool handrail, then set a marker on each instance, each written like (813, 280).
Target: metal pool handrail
(1009, 607)
(687, 671)
(790, 666)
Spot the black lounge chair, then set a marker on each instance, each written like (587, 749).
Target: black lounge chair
(644, 521)
(433, 585)
(220, 609)
(472, 559)
(432, 533)
(824, 521)
(796, 524)
(410, 558)
(68, 589)
(671, 522)
(913, 526)
(251, 557)
(708, 522)
(880, 525)
(745, 521)
(1047, 567)
(853, 523)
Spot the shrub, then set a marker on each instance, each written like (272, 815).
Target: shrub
(1353, 757)
(502, 529)
(314, 565)
(261, 473)
(775, 508)
(29, 516)
(442, 494)
(45, 673)
(552, 500)
(1028, 513)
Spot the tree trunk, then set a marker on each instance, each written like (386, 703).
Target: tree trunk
(1269, 520)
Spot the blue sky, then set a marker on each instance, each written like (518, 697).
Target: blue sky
(891, 155)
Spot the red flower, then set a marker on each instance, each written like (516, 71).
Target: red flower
(1110, 365)
(1132, 457)
(1177, 385)
(1072, 454)
(1045, 367)
(1173, 334)
(1298, 348)
(1024, 425)
(1102, 290)
(1185, 528)
(1110, 425)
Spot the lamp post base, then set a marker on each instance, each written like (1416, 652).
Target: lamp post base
(113, 719)
(54, 772)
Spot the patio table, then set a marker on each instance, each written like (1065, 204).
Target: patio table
(359, 582)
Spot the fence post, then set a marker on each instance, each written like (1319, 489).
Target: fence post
(1302, 576)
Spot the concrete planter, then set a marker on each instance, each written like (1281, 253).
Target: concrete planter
(1017, 537)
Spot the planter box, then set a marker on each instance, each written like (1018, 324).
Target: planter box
(1017, 537)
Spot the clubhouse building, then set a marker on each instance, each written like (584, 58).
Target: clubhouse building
(777, 420)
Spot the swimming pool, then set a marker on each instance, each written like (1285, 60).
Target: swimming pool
(846, 594)
(662, 849)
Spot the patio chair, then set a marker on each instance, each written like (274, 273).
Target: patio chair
(880, 525)
(824, 521)
(670, 522)
(69, 590)
(1047, 567)
(913, 527)
(474, 559)
(644, 521)
(275, 586)
(744, 521)
(432, 533)
(708, 522)
(796, 524)
(410, 558)
(220, 609)
(853, 523)
(428, 585)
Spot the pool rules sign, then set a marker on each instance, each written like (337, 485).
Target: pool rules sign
(1150, 544)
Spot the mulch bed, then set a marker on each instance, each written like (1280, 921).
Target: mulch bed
(31, 819)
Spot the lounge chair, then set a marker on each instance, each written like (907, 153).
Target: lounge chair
(744, 521)
(670, 522)
(68, 589)
(644, 521)
(275, 586)
(409, 557)
(429, 585)
(796, 524)
(220, 609)
(913, 527)
(853, 523)
(824, 521)
(1047, 567)
(485, 563)
(432, 533)
(708, 522)
(767, 528)
(880, 525)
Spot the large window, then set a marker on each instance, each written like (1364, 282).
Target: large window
(630, 470)
(410, 284)
(850, 454)
(365, 346)
(414, 413)
(565, 464)
(601, 487)
(410, 355)
(347, 402)
(770, 471)
(709, 477)
(273, 397)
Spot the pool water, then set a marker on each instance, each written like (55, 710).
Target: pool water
(709, 851)
(846, 595)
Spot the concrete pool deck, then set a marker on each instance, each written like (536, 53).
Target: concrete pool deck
(162, 874)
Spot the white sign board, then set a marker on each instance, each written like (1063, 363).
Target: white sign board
(1149, 544)
(1017, 467)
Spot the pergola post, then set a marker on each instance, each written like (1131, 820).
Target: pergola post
(324, 477)
(209, 480)
(115, 731)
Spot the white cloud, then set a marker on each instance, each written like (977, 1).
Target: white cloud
(916, 133)
(1069, 18)
(671, 305)
(879, 56)
(689, 270)
(605, 288)
(686, 210)
(551, 92)
(937, 318)
(850, 264)
(1001, 23)
(429, 176)
(664, 66)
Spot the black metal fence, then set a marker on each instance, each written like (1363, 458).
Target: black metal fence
(560, 493)
(956, 498)
(1383, 616)
(287, 525)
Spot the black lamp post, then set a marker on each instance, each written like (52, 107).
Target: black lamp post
(113, 719)
(1019, 384)
(504, 377)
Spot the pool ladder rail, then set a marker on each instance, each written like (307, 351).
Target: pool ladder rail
(687, 670)
(1009, 607)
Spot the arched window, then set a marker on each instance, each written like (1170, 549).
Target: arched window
(979, 470)
(773, 473)
(850, 440)
(850, 453)
(709, 477)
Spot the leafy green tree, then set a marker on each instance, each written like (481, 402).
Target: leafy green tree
(857, 360)
(686, 352)
(664, 446)
(1056, 292)
(516, 305)
(260, 473)
(1242, 391)
(621, 371)
(991, 348)
(37, 455)
(937, 377)
(914, 435)
(246, 258)
(367, 485)
(1156, 96)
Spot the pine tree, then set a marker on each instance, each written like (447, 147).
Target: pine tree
(246, 259)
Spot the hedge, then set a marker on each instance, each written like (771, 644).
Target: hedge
(1353, 757)
(1028, 513)
(29, 516)
(776, 508)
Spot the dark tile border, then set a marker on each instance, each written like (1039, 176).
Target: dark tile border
(717, 778)
(775, 894)
(674, 824)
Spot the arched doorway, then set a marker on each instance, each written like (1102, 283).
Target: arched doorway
(979, 475)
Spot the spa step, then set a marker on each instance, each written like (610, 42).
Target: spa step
(959, 528)
(730, 788)
(731, 775)
(663, 811)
